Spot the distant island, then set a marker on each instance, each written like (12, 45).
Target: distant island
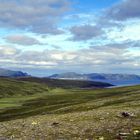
(113, 79)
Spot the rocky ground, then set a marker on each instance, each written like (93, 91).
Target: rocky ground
(102, 124)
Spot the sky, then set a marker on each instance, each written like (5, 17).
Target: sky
(43, 37)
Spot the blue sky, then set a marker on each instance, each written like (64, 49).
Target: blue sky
(54, 36)
(92, 5)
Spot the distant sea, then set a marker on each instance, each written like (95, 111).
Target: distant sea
(121, 83)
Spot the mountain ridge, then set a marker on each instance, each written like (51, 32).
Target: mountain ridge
(11, 73)
(104, 76)
(115, 79)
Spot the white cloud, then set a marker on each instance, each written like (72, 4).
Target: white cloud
(130, 31)
(95, 58)
(124, 10)
(39, 16)
(113, 39)
(22, 40)
(85, 32)
(6, 51)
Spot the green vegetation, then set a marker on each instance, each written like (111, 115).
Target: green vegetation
(31, 110)
(11, 87)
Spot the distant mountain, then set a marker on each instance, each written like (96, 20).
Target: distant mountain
(69, 75)
(116, 79)
(10, 73)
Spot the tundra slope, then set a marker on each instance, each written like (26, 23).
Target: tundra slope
(71, 114)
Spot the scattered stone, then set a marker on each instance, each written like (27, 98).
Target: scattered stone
(34, 123)
(101, 138)
(102, 118)
(121, 136)
(127, 114)
(136, 132)
(124, 134)
(55, 124)
(118, 138)
(43, 113)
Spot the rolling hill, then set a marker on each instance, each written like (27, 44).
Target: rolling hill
(11, 87)
(66, 83)
(34, 111)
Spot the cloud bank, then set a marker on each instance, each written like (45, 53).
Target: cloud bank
(39, 16)
(103, 40)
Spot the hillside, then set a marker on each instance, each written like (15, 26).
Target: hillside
(60, 83)
(10, 87)
(70, 114)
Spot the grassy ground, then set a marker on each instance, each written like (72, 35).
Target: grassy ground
(11, 87)
(69, 114)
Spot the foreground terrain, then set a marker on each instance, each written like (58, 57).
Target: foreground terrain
(33, 110)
